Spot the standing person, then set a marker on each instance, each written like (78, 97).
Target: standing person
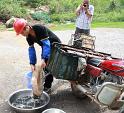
(84, 14)
(43, 37)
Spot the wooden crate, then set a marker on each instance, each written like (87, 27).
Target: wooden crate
(88, 41)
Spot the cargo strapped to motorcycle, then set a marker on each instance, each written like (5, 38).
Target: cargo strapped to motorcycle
(85, 51)
(63, 61)
(82, 40)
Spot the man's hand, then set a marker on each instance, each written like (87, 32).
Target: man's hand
(85, 7)
(32, 68)
(43, 64)
(81, 6)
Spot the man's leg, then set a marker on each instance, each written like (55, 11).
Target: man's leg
(77, 31)
(86, 31)
(48, 81)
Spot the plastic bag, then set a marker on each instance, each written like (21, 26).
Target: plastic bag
(37, 81)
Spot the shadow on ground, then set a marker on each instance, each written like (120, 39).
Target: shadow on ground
(66, 101)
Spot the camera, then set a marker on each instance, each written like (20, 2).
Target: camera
(85, 5)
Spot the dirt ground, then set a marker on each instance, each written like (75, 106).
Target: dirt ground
(14, 63)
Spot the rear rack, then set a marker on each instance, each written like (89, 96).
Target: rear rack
(86, 52)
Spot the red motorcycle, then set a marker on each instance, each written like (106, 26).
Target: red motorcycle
(91, 73)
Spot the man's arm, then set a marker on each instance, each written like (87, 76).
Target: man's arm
(32, 55)
(45, 52)
(78, 10)
(89, 12)
(45, 49)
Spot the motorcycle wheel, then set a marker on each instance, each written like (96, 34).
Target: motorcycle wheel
(77, 92)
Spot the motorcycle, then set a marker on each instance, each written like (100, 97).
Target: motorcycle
(91, 73)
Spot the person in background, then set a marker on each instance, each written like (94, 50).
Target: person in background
(43, 37)
(84, 14)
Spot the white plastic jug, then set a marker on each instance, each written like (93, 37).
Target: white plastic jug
(108, 93)
(37, 80)
(28, 79)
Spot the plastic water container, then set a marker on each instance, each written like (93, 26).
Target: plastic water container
(28, 79)
(108, 93)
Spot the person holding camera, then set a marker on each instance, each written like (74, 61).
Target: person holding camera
(84, 14)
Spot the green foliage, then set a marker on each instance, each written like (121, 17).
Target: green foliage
(63, 17)
(62, 10)
(11, 8)
(113, 16)
(122, 3)
(35, 3)
(108, 10)
(94, 25)
(113, 5)
(62, 6)
(41, 16)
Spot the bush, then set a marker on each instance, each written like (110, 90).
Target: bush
(63, 17)
(63, 6)
(10, 9)
(113, 16)
(41, 16)
(36, 3)
(61, 10)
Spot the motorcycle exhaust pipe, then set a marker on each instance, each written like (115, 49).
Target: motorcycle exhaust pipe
(80, 88)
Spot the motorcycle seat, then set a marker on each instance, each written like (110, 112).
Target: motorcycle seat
(94, 61)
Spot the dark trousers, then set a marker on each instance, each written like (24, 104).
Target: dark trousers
(48, 81)
(85, 31)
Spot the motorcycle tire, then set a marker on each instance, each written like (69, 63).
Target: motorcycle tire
(77, 92)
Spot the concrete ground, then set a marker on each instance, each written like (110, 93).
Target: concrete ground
(14, 64)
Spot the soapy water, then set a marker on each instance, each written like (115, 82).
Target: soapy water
(28, 102)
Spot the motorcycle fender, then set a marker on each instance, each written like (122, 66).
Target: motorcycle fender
(93, 71)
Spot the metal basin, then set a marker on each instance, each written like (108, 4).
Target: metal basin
(27, 92)
(53, 110)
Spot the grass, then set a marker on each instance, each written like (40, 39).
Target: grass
(2, 27)
(63, 27)
(71, 26)
(108, 24)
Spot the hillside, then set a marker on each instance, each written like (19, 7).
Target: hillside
(60, 10)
